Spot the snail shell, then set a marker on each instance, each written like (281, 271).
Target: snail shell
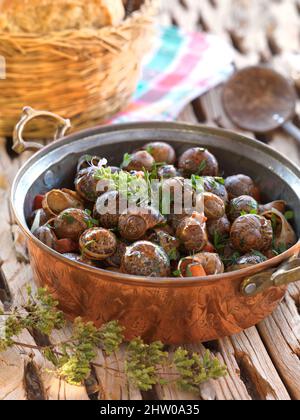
(284, 234)
(251, 232)
(134, 223)
(98, 244)
(56, 201)
(146, 259)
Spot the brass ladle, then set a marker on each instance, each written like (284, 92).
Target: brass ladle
(259, 99)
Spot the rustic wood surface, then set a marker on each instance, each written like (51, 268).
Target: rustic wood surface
(264, 361)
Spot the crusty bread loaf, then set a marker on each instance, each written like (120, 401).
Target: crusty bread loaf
(43, 16)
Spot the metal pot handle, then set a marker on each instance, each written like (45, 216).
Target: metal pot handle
(20, 145)
(287, 273)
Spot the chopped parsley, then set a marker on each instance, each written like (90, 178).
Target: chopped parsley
(280, 249)
(149, 150)
(289, 215)
(68, 218)
(220, 180)
(202, 167)
(274, 222)
(127, 159)
(220, 241)
(177, 273)
(233, 260)
(173, 254)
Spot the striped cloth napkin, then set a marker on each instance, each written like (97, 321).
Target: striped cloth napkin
(182, 67)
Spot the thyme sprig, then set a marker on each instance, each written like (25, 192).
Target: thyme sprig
(73, 359)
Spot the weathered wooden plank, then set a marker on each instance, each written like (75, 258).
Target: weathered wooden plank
(18, 276)
(281, 335)
(114, 385)
(257, 368)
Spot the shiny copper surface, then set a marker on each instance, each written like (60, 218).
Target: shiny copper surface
(172, 314)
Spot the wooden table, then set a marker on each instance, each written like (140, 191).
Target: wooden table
(264, 361)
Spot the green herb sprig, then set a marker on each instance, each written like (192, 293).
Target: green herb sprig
(73, 359)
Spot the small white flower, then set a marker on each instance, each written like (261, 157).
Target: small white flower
(103, 162)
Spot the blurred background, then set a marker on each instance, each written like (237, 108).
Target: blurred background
(259, 30)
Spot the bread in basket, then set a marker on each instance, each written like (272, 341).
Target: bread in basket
(44, 16)
(87, 74)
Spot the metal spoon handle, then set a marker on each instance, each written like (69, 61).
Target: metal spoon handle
(292, 129)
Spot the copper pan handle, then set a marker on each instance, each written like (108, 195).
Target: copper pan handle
(20, 145)
(287, 273)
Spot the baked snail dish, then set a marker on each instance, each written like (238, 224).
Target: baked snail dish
(200, 224)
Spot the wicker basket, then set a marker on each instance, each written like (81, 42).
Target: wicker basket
(87, 76)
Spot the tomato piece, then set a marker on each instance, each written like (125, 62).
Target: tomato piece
(65, 246)
(38, 202)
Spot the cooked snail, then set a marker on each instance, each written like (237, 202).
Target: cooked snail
(192, 233)
(169, 243)
(106, 210)
(71, 223)
(238, 185)
(284, 235)
(214, 207)
(251, 232)
(138, 161)
(98, 244)
(211, 263)
(116, 259)
(46, 235)
(161, 152)
(146, 259)
(247, 261)
(134, 223)
(56, 201)
(279, 205)
(242, 205)
(215, 186)
(86, 184)
(220, 227)
(39, 218)
(198, 161)
(167, 172)
(179, 196)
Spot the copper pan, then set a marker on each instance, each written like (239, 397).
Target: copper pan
(175, 311)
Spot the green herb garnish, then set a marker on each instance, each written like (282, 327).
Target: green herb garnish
(274, 222)
(202, 167)
(220, 241)
(220, 180)
(289, 215)
(149, 149)
(280, 249)
(68, 218)
(177, 273)
(173, 254)
(197, 183)
(127, 159)
(233, 260)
